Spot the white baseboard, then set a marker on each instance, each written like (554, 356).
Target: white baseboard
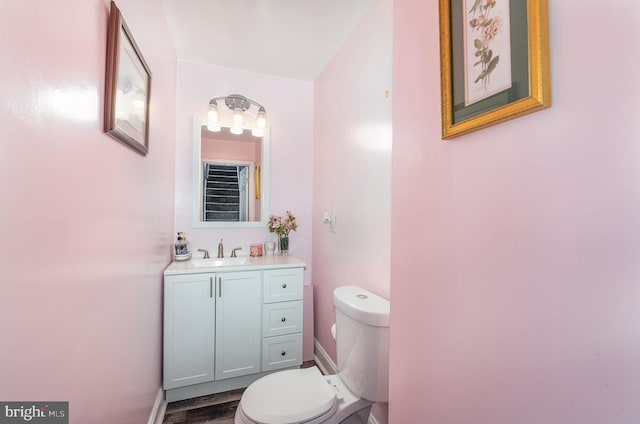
(159, 408)
(323, 360)
(328, 367)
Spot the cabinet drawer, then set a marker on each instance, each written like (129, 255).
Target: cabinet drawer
(281, 318)
(281, 352)
(282, 285)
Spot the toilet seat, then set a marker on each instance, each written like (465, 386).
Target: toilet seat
(288, 397)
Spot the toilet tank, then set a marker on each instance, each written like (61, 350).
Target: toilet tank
(362, 341)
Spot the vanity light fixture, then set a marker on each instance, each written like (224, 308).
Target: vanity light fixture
(213, 113)
(238, 117)
(261, 119)
(239, 108)
(261, 123)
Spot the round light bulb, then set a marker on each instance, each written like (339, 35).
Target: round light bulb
(214, 128)
(238, 117)
(213, 114)
(257, 132)
(235, 130)
(261, 119)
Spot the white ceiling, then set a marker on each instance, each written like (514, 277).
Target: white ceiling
(289, 38)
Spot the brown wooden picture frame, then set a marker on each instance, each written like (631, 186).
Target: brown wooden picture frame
(530, 90)
(127, 86)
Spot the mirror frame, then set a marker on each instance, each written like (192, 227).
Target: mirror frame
(265, 171)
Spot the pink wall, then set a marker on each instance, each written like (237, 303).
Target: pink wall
(230, 150)
(289, 106)
(514, 264)
(352, 169)
(87, 222)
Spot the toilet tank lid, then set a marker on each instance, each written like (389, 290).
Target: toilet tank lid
(362, 305)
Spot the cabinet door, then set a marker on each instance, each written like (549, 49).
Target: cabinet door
(238, 324)
(189, 327)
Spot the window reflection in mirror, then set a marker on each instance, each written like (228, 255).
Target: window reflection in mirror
(227, 190)
(230, 174)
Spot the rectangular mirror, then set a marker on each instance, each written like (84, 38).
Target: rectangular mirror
(230, 178)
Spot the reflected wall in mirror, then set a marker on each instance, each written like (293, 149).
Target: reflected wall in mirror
(230, 181)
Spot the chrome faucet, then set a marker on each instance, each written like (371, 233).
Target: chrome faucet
(233, 252)
(206, 253)
(220, 249)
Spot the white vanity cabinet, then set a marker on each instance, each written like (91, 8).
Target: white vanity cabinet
(189, 329)
(282, 318)
(225, 327)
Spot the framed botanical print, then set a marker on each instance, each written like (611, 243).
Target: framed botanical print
(494, 62)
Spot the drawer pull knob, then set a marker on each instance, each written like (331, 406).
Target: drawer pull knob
(283, 353)
(284, 286)
(283, 319)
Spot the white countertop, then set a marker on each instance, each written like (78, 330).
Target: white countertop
(253, 263)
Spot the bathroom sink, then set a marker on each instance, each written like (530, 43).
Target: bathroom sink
(217, 262)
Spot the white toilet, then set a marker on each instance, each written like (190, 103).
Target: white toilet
(306, 396)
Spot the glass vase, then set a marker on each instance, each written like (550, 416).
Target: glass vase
(283, 244)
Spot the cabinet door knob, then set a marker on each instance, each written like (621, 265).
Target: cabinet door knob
(283, 319)
(283, 353)
(284, 285)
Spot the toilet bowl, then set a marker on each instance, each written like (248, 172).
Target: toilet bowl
(306, 396)
(301, 396)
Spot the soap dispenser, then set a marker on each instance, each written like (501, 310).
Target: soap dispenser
(181, 246)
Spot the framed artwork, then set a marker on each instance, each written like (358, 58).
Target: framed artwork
(494, 62)
(127, 87)
(256, 176)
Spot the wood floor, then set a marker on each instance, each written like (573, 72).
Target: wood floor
(212, 409)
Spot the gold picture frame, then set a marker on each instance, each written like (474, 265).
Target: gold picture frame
(127, 86)
(257, 181)
(463, 46)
